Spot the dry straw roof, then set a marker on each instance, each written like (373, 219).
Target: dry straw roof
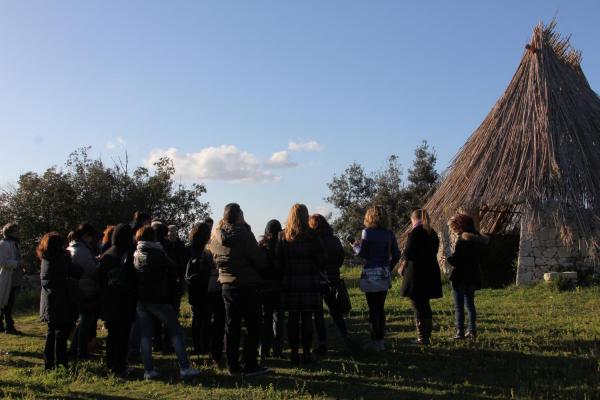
(538, 148)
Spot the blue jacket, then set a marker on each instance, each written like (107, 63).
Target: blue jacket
(379, 248)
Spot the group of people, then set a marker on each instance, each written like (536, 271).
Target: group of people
(134, 276)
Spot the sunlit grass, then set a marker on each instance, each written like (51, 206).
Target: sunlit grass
(534, 343)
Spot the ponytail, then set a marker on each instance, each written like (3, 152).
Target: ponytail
(422, 215)
(425, 220)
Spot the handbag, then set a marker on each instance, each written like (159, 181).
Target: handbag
(340, 294)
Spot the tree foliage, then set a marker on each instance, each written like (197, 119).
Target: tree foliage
(87, 190)
(355, 190)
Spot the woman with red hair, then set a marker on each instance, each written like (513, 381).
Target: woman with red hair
(466, 272)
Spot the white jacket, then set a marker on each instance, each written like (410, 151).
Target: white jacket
(8, 264)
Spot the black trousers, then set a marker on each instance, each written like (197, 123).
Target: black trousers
(421, 309)
(334, 313)
(55, 350)
(271, 331)
(216, 319)
(241, 303)
(300, 327)
(117, 344)
(376, 303)
(6, 312)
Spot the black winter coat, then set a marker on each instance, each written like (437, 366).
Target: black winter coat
(118, 279)
(422, 277)
(466, 259)
(335, 256)
(155, 273)
(197, 274)
(58, 298)
(271, 275)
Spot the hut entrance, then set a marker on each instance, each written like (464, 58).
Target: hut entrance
(499, 267)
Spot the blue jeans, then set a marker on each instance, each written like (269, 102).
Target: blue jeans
(464, 294)
(166, 314)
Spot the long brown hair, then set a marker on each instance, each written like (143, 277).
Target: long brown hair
(297, 223)
(319, 224)
(51, 245)
(422, 215)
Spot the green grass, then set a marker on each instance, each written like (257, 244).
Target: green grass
(534, 343)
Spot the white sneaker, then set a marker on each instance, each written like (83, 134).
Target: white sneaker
(149, 375)
(188, 372)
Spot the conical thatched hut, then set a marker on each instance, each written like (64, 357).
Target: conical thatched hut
(533, 166)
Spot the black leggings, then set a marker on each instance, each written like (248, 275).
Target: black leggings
(376, 303)
(295, 330)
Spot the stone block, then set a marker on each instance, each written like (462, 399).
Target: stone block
(564, 252)
(550, 252)
(525, 247)
(524, 278)
(551, 262)
(551, 276)
(570, 275)
(526, 262)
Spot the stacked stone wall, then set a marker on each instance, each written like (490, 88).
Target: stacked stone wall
(544, 251)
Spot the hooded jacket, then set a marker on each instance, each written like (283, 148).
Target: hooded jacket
(154, 272)
(466, 259)
(117, 277)
(83, 257)
(237, 255)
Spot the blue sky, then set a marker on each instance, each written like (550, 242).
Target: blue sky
(228, 84)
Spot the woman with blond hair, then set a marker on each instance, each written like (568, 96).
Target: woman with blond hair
(301, 256)
(422, 279)
(379, 248)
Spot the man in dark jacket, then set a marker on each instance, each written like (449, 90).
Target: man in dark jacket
(238, 258)
(118, 296)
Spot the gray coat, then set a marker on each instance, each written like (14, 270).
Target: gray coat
(10, 272)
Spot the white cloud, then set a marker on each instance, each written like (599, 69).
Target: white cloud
(311, 145)
(281, 159)
(120, 142)
(222, 163)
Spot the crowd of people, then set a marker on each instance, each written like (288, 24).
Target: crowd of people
(134, 276)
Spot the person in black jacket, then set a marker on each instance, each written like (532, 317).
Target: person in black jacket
(272, 323)
(153, 269)
(422, 279)
(196, 277)
(118, 297)
(335, 260)
(301, 256)
(239, 260)
(466, 272)
(58, 298)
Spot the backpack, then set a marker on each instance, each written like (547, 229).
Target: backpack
(197, 270)
(116, 278)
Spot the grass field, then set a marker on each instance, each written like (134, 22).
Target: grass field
(534, 343)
